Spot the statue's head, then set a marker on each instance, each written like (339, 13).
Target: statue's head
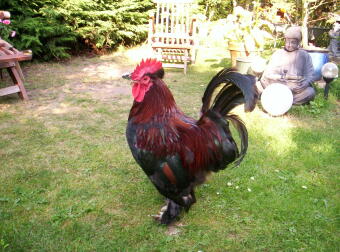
(293, 38)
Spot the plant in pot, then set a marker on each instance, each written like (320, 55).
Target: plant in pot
(244, 34)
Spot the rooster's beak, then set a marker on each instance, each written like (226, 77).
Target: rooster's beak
(127, 76)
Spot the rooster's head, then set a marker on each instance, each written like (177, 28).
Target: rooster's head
(142, 77)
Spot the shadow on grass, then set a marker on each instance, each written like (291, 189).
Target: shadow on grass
(9, 99)
(224, 62)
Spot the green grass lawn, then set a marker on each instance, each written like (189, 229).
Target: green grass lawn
(69, 183)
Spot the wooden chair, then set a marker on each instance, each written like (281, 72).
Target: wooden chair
(173, 33)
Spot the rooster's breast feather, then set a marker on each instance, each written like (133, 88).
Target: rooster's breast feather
(156, 147)
(181, 148)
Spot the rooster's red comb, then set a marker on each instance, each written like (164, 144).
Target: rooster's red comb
(146, 66)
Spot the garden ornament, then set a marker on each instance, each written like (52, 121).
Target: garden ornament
(329, 72)
(334, 44)
(292, 38)
(277, 99)
(293, 67)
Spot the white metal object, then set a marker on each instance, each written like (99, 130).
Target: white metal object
(276, 99)
(330, 70)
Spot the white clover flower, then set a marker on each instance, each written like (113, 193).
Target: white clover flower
(249, 190)
(252, 178)
(237, 187)
(304, 187)
(229, 184)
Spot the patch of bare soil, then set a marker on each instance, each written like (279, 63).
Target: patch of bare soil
(51, 87)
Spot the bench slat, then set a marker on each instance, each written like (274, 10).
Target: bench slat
(18, 57)
(9, 90)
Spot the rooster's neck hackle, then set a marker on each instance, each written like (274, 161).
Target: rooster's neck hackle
(157, 104)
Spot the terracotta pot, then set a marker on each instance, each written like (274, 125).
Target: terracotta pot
(237, 50)
(236, 46)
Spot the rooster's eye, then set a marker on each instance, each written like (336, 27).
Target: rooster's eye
(145, 79)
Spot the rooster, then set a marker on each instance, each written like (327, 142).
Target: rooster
(175, 151)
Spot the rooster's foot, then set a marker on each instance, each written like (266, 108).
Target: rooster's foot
(171, 213)
(158, 216)
(168, 213)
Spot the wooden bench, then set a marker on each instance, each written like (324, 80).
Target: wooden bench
(173, 33)
(9, 60)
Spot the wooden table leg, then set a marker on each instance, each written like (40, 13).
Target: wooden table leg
(18, 81)
(18, 68)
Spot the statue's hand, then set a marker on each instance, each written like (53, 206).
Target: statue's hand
(296, 87)
(291, 85)
(274, 77)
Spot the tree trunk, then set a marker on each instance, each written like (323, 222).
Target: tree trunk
(304, 26)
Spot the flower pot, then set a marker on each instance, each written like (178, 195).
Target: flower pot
(236, 46)
(238, 50)
(319, 58)
(243, 64)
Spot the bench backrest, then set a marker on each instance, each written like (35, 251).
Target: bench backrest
(172, 23)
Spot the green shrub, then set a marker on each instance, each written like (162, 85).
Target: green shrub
(56, 28)
(215, 9)
(5, 29)
(107, 24)
(39, 28)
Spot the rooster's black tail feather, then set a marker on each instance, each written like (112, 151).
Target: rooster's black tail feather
(231, 89)
(243, 134)
(236, 89)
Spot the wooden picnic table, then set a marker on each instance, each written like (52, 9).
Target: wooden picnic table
(9, 60)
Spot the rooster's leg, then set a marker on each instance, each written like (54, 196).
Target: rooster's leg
(193, 197)
(171, 213)
(189, 200)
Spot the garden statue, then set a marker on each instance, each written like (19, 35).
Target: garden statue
(292, 67)
(334, 34)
